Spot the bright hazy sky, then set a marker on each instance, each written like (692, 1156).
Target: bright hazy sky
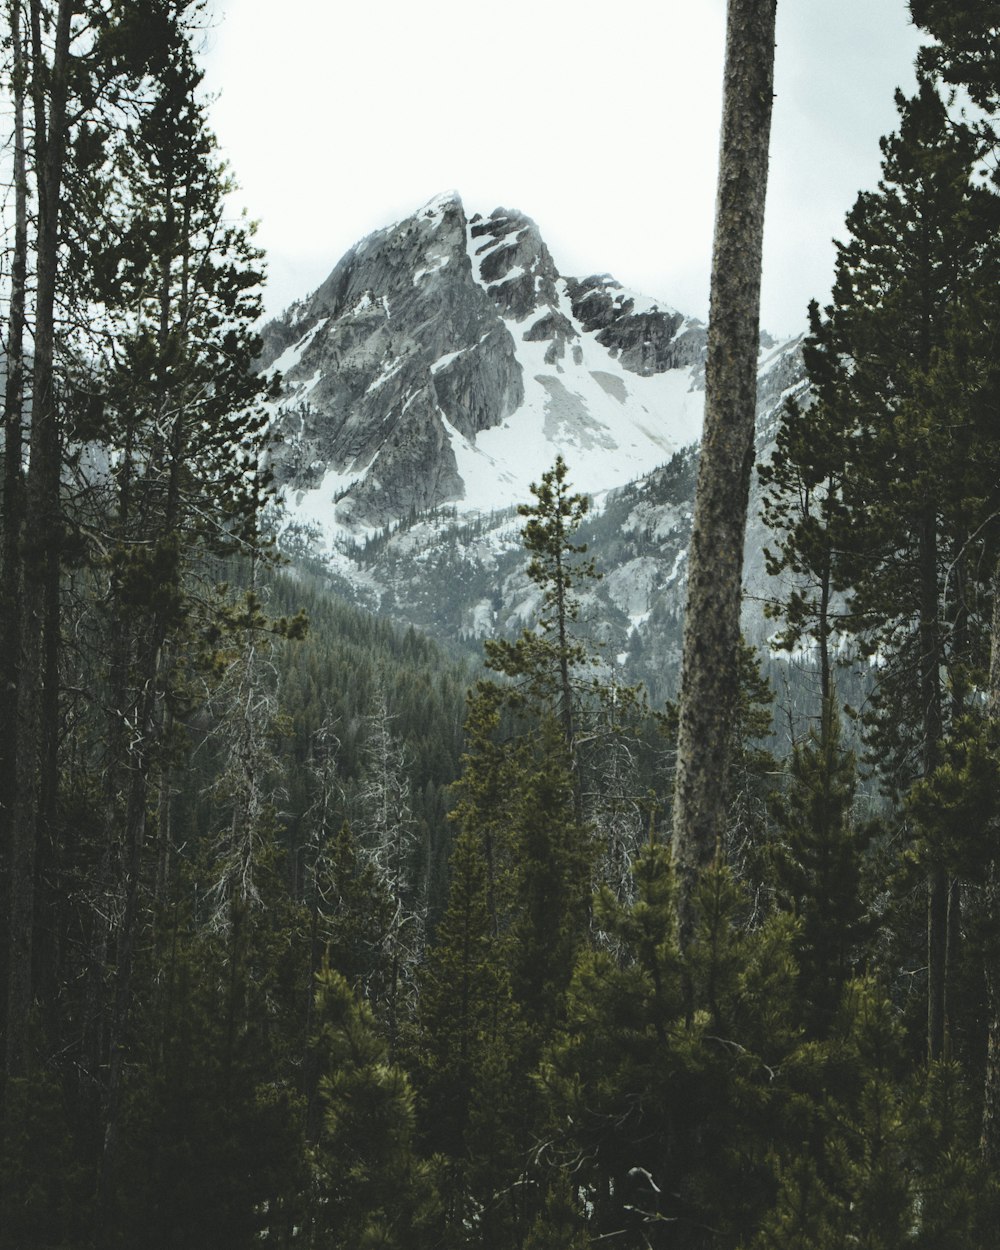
(598, 120)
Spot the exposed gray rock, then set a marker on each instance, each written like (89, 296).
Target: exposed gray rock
(646, 340)
(514, 263)
(409, 352)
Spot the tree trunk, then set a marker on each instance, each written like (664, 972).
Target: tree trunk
(990, 1140)
(715, 561)
(930, 700)
(13, 509)
(38, 694)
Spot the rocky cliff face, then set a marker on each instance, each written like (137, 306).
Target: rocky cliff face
(397, 349)
(446, 360)
(437, 372)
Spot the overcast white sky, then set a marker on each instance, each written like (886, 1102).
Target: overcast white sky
(598, 120)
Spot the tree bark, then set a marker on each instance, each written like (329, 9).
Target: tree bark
(715, 560)
(933, 729)
(13, 505)
(38, 693)
(990, 1139)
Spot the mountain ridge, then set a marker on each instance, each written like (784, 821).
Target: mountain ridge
(444, 351)
(437, 372)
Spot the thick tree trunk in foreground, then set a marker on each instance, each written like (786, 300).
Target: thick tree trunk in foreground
(715, 561)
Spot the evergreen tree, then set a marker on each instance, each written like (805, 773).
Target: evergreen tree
(964, 51)
(144, 410)
(370, 1188)
(547, 662)
(519, 803)
(904, 467)
(468, 1034)
(354, 914)
(818, 869)
(802, 503)
(389, 837)
(211, 1140)
(884, 1160)
(670, 1115)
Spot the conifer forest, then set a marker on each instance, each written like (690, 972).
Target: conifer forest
(315, 933)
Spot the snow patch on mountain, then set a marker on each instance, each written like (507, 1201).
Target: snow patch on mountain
(291, 356)
(610, 426)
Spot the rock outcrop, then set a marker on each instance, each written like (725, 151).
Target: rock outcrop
(439, 330)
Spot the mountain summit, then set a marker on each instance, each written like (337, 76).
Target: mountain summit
(447, 361)
(436, 373)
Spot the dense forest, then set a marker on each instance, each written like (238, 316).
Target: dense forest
(316, 935)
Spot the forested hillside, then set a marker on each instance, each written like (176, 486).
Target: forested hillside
(316, 935)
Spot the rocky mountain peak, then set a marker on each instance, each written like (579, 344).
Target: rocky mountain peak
(437, 373)
(510, 260)
(445, 360)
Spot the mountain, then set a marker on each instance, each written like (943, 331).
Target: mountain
(437, 372)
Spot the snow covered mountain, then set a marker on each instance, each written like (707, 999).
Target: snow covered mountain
(446, 361)
(437, 372)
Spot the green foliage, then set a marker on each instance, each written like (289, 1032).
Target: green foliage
(886, 492)
(886, 1159)
(964, 51)
(213, 1125)
(353, 914)
(559, 1226)
(959, 1197)
(955, 807)
(551, 520)
(663, 1083)
(879, 489)
(370, 1188)
(546, 662)
(468, 1033)
(330, 678)
(803, 503)
(517, 914)
(817, 867)
(921, 477)
(45, 1188)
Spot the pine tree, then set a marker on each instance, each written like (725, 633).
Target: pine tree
(553, 874)
(905, 467)
(388, 835)
(468, 1033)
(964, 51)
(144, 410)
(211, 1147)
(370, 1188)
(547, 662)
(32, 505)
(803, 505)
(519, 809)
(663, 1085)
(818, 869)
(521, 791)
(886, 1159)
